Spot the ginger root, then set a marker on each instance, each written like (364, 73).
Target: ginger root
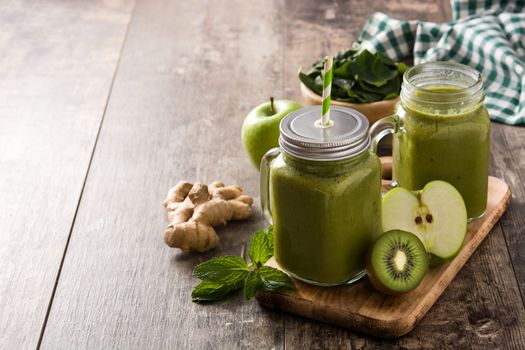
(193, 210)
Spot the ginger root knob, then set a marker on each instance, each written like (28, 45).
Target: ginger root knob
(193, 210)
(191, 236)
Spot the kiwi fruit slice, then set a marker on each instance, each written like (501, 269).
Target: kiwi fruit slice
(397, 262)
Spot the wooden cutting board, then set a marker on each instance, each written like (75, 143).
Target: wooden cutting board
(360, 308)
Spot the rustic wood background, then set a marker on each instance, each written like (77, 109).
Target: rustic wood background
(106, 104)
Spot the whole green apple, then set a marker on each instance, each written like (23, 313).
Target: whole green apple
(260, 130)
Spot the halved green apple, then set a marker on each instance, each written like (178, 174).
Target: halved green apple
(436, 214)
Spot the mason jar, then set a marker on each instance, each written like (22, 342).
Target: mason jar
(441, 132)
(322, 190)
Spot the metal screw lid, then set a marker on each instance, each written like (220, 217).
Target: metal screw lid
(347, 137)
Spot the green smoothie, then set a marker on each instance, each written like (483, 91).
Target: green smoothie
(325, 215)
(452, 146)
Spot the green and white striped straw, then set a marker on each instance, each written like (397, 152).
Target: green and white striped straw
(327, 91)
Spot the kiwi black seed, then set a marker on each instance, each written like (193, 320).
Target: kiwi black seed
(397, 262)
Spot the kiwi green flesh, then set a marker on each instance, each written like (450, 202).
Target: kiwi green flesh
(397, 262)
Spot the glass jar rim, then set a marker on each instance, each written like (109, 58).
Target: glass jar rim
(466, 83)
(451, 65)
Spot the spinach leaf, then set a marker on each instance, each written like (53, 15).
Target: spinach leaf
(359, 76)
(310, 83)
(372, 69)
(343, 70)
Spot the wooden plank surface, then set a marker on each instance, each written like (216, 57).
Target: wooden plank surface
(53, 90)
(189, 73)
(358, 307)
(508, 162)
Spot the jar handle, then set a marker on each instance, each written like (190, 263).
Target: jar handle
(265, 182)
(384, 126)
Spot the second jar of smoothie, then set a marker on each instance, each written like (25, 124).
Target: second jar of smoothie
(441, 131)
(322, 189)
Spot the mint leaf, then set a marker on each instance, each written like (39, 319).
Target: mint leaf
(212, 291)
(273, 279)
(261, 248)
(252, 284)
(225, 270)
(270, 235)
(223, 275)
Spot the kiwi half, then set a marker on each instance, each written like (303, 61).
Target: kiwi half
(397, 262)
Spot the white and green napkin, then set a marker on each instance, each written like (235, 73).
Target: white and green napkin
(487, 35)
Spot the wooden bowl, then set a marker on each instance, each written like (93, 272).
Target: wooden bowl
(373, 111)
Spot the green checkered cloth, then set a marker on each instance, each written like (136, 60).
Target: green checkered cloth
(487, 35)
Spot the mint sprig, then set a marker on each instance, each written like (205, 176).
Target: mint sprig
(211, 291)
(252, 284)
(222, 275)
(226, 270)
(273, 279)
(261, 248)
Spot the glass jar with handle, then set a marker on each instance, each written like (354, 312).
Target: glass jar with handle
(441, 131)
(322, 190)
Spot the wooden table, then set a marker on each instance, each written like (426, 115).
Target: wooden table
(106, 104)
